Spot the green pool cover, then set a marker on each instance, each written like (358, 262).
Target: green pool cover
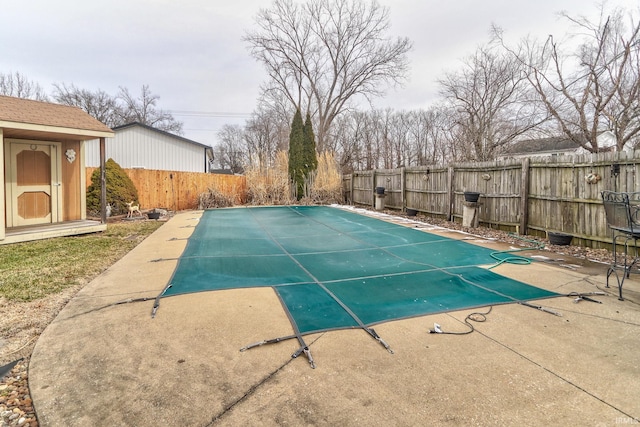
(335, 269)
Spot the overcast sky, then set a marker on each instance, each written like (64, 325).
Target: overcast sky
(191, 52)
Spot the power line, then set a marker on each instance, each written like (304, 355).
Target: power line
(221, 114)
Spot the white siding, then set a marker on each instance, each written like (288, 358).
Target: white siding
(139, 147)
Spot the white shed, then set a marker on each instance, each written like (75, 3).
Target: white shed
(138, 146)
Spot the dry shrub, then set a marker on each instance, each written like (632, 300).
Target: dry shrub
(273, 186)
(324, 186)
(270, 186)
(213, 198)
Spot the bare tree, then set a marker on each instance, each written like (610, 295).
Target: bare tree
(453, 142)
(372, 138)
(323, 53)
(346, 141)
(274, 107)
(490, 101)
(118, 110)
(265, 134)
(230, 151)
(397, 135)
(98, 104)
(597, 87)
(143, 110)
(363, 140)
(428, 132)
(15, 84)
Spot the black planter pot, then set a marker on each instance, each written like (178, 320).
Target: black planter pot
(560, 239)
(412, 212)
(379, 190)
(471, 196)
(153, 215)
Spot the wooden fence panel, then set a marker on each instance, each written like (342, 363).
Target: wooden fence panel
(499, 185)
(362, 187)
(426, 190)
(538, 195)
(392, 181)
(562, 198)
(180, 190)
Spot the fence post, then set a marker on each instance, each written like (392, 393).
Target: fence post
(450, 194)
(373, 189)
(524, 197)
(351, 188)
(403, 203)
(103, 183)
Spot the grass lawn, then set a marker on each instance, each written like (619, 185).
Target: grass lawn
(32, 270)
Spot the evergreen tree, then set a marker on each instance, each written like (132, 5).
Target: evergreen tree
(120, 189)
(296, 154)
(309, 147)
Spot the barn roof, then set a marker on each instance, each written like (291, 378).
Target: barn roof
(151, 128)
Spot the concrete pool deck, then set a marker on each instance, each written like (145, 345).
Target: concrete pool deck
(104, 364)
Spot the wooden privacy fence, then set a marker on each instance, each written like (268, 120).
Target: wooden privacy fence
(529, 196)
(180, 190)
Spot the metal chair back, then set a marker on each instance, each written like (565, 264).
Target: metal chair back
(621, 214)
(623, 218)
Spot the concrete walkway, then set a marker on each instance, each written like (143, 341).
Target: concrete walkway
(99, 364)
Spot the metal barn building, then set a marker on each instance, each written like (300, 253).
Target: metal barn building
(138, 146)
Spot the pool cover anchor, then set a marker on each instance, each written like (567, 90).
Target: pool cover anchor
(377, 337)
(271, 341)
(156, 304)
(541, 308)
(584, 296)
(304, 348)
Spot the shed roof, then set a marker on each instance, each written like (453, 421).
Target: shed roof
(33, 117)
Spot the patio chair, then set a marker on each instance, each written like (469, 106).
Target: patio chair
(622, 212)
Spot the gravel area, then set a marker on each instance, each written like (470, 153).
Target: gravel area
(16, 408)
(22, 323)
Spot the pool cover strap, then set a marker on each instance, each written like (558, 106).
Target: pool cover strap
(304, 348)
(156, 303)
(370, 331)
